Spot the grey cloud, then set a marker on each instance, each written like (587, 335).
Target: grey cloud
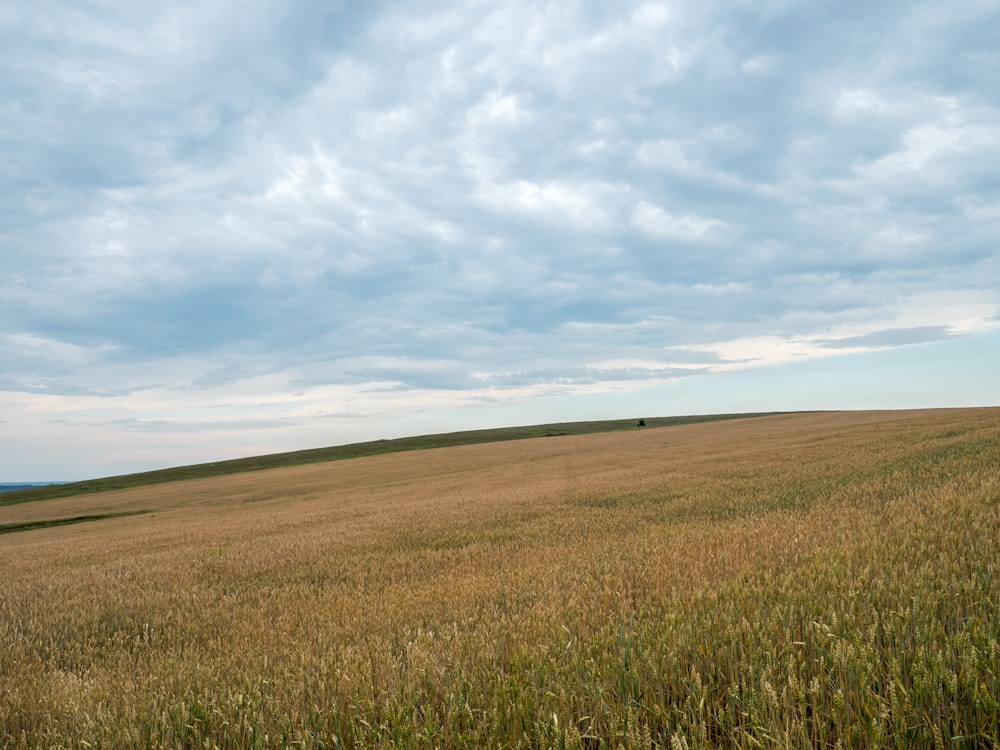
(890, 337)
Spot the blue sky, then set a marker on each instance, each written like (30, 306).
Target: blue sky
(231, 228)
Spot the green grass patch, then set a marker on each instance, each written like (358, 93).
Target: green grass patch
(10, 528)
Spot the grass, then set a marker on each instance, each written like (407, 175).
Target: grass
(9, 528)
(341, 452)
(812, 580)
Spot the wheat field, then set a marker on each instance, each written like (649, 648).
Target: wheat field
(797, 581)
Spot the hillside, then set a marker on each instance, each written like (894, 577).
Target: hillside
(27, 493)
(797, 580)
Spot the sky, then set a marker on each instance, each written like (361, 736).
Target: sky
(233, 228)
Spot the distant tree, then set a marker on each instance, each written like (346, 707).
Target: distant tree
(642, 423)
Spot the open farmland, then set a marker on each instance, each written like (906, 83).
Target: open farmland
(808, 580)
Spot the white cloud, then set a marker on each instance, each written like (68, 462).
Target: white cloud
(649, 366)
(758, 65)
(586, 206)
(853, 101)
(658, 224)
(953, 313)
(651, 15)
(929, 151)
(497, 108)
(900, 236)
(961, 311)
(668, 154)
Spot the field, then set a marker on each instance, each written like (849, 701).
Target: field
(805, 580)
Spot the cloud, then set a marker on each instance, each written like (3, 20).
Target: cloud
(465, 202)
(891, 337)
(658, 224)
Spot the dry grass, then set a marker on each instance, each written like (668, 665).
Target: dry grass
(794, 581)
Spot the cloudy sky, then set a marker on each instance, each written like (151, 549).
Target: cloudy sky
(230, 228)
